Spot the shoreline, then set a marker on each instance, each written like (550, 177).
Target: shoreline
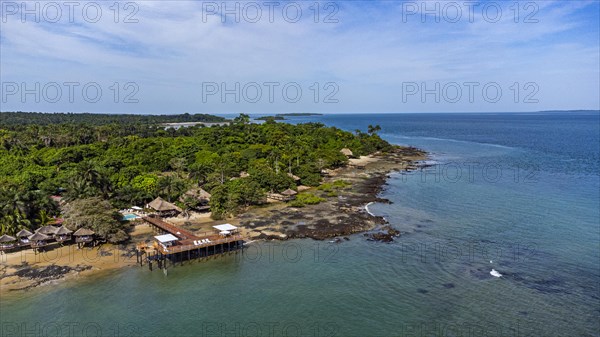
(344, 212)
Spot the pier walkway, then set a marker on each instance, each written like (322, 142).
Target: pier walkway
(188, 245)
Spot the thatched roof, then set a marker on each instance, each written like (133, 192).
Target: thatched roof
(303, 188)
(23, 233)
(198, 193)
(244, 174)
(63, 231)
(7, 238)
(296, 178)
(346, 152)
(289, 192)
(83, 232)
(161, 205)
(39, 237)
(47, 230)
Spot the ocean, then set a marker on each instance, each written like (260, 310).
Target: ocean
(517, 193)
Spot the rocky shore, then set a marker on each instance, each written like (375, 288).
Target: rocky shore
(343, 212)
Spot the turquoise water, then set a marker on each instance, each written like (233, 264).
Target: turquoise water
(515, 193)
(130, 217)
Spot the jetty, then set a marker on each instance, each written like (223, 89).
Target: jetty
(175, 244)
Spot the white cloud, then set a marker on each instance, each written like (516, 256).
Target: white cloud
(172, 50)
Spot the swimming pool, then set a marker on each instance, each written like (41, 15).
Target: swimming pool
(129, 217)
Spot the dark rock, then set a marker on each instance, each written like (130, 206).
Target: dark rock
(386, 234)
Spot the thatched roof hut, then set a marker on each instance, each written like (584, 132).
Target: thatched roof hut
(160, 205)
(296, 178)
(289, 192)
(63, 231)
(39, 237)
(346, 152)
(198, 193)
(7, 242)
(47, 230)
(23, 233)
(7, 238)
(84, 232)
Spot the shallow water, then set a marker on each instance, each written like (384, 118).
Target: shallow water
(529, 209)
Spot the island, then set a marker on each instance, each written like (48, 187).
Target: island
(270, 118)
(298, 114)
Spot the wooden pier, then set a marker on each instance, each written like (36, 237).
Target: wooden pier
(188, 246)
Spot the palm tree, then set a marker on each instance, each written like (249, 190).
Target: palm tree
(171, 186)
(199, 172)
(15, 202)
(43, 219)
(373, 129)
(88, 172)
(80, 189)
(12, 223)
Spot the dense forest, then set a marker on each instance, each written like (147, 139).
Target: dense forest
(40, 118)
(101, 163)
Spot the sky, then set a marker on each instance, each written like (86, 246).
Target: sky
(303, 56)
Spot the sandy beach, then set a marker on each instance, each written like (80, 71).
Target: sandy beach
(23, 270)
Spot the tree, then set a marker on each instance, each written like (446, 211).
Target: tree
(43, 219)
(229, 198)
(11, 223)
(373, 129)
(242, 119)
(98, 215)
(199, 171)
(171, 187)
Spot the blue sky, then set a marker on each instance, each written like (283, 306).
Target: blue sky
(388, 56)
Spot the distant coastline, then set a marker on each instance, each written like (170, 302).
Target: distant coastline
(281, 117)
(299, 114)
(270, 118)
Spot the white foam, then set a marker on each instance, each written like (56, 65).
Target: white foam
(367, 208)
(495, 273)
(454, 141)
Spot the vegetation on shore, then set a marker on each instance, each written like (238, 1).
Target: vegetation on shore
(40, 118)
(270, 118)
(99, 166)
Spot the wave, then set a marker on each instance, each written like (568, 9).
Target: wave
(495, 273)
(452, 140)
(367, 208)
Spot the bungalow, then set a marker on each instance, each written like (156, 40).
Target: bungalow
(83, 236)
(62, 234)
(164, 208)
(23, 236)
(7, 242)
(39, 240)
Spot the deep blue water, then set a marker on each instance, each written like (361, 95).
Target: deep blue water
(518, 193)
